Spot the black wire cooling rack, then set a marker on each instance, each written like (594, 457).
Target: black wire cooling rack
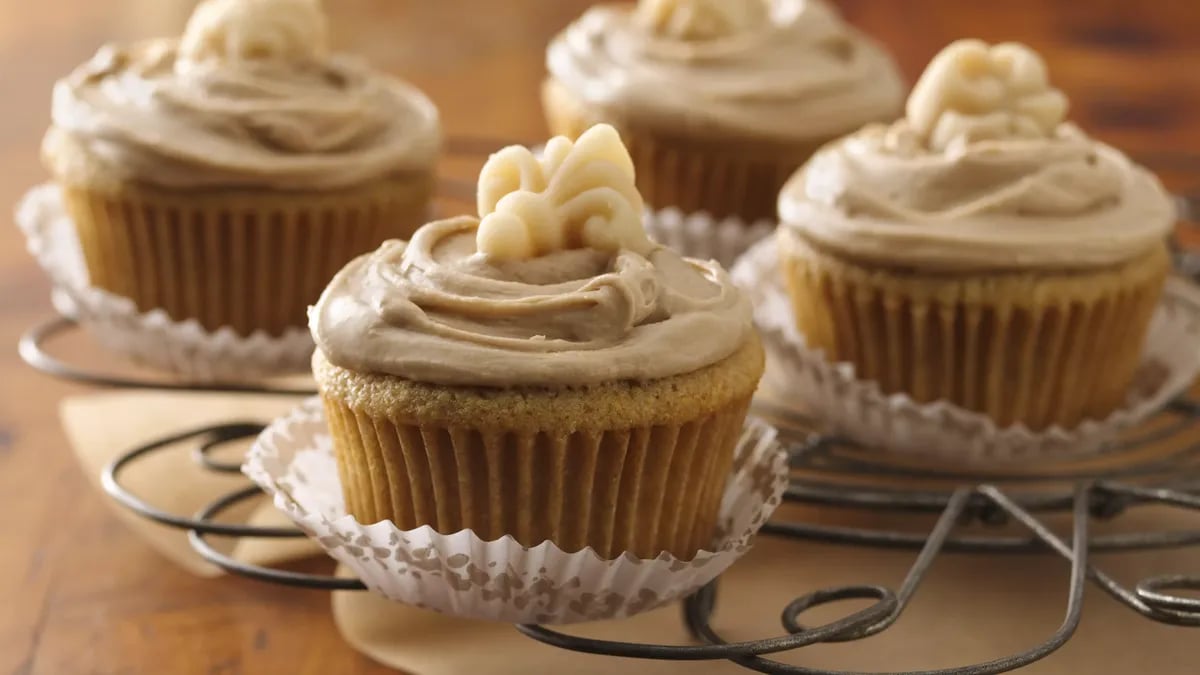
(827, 472)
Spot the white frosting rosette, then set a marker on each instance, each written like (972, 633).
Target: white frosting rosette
(463, 575)
(245, 30)
(700, 235)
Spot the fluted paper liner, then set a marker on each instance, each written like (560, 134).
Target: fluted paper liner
(1041, 348)
(639, 490)
(152, 338)
(464, 575)
(699, 235)
(250, 262)
(722, 179)
(832, 393)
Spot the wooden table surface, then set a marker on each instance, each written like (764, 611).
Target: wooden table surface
(78, 594)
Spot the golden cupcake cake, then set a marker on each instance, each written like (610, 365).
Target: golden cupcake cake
(982, 250)
(543, 371)
(225, 176)
(719, 101)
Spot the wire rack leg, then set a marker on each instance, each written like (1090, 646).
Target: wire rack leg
(888, 608)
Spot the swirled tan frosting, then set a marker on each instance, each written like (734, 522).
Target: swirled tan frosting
(249, 97)
(983, 173)
(782, 69)
(541, 297)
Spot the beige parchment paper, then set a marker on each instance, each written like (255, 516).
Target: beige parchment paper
(102, 426)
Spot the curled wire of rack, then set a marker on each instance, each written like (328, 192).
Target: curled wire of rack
(1086, 497)
(824, 468)
(821, 464)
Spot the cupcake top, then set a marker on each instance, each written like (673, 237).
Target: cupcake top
(982, 173)
(778, 69)
(249, 97)
(556, 284)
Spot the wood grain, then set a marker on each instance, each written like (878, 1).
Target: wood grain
(78, 594)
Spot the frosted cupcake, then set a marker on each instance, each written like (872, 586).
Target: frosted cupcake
(543, 371)
(226, 176)
(982, 250)
(719, 101)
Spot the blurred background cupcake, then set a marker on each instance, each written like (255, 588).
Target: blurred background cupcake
(224, 177)
(718, 100)
(981, 250)
(544, 371)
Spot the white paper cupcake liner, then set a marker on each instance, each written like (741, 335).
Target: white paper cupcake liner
(830, 393)
(699, 235)
(463, 575)
(152, 338)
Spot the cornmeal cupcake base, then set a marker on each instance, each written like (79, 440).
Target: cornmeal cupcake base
(833, 394)
(464, 575)
(153, 339)
(183, 348)
(1042, 348)
(248, 261)
(626, 467)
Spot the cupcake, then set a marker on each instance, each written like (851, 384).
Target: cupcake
(226, 176)
(719, 101)
(543, 371)
(982, 250)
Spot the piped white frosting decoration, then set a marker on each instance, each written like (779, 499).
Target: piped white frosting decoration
(577, 195)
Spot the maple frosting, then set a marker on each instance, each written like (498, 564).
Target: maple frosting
(250, 96)
(785, 69)
(982, 173)
(554, 284)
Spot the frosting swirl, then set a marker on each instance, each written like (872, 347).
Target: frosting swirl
(248, 98)
(537, 294)
(435, 310)
(788, 69)
(982, 174)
